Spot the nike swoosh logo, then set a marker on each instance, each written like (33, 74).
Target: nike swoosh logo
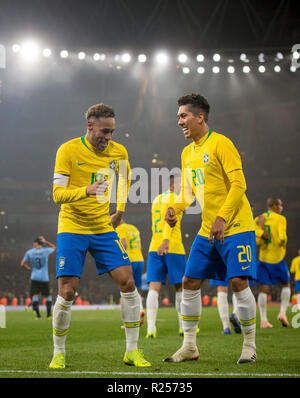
(80, 164)
(125, 258)
(243, 268)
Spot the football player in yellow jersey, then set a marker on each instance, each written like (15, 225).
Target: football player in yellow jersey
(271, 267)
(166, 256)
(131, 240)
(295, 269)
(83, 176)
(212, 171)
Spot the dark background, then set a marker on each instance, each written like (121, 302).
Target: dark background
(43, 106)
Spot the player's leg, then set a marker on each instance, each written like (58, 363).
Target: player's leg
(285, 297)
(223, 307)
(234, 318)
(152, 305)
(130, 310)
(45, 291)
(36, 305)
(67, 286)
(262, 300)
(137, 271)
(178, 299)
(49, 306)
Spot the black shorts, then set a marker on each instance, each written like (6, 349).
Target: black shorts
(37, 287)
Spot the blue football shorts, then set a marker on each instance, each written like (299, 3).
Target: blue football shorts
(235, 257)
(297, 286)
(214, 282)
(158, 267)
(106, 249)
(137, 271)
(271, 274)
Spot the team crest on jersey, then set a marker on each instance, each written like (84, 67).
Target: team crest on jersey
(112, 165)
(62, 261)
(206, 158)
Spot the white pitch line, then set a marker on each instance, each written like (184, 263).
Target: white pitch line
(61, 372)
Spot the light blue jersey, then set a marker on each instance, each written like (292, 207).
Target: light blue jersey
(38, 259)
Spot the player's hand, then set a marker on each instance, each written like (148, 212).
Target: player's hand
(98, 188)
(42, 239)
(217, 230)
(170, 217)
(261, 221)
(116, 218)
(164, 247)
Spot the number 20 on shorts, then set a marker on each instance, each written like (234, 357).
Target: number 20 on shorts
(245, 254)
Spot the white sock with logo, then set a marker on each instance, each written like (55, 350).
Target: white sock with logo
(223, 309)
(152, 308)
(191, 308)
(285, 298)
(247, 313)
(61, 322)
(130, 310)
(234, 305)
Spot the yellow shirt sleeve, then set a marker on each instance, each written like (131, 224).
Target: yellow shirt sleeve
(124, 171)
(63, 166)
(282, 231)
(293, 266)
(232, 165)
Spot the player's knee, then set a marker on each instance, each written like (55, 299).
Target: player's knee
(190, 283)
(239, 284)
(67, 292)
(127, 285)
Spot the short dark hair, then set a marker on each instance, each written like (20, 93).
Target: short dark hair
(272, 201)
(38, 241)
(100, 110)
(197, 104)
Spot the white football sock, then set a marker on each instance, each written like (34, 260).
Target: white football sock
(141, 303)
(178, 298)
(191, 307)
(262, 305)
(247, 313)
(298, 298)
(285, 298)
(234, 305)
(61, 322)
(130, 310)
(152, 308)
(223, 309)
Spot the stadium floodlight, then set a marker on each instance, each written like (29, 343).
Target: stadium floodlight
(216, 57)
(246, 69)
(161, 58)
(117, 57)
(81, 55)
(182, 58)
(186, 70)
(296, 55)
(279, 55)
(47, 52)
(16, 48)
(261, 57)
(277, 68)
(200, 58)
(102, 57)
(293, 68)
(261, 69)
(126, 58)
(200, 70)
(30, 51)
(230, 69)
(96, 57)
(216, 69)
(243, 57)
(142, 58)
(64, 54)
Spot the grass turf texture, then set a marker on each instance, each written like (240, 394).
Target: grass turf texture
(96, 343)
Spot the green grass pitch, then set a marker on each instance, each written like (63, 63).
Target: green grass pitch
(96, 344)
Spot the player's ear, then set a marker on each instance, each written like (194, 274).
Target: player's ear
(89, 125)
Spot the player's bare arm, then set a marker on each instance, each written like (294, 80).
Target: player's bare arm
(164, 247)
(45, 242)
(170, 217)
(261, 223)
(116, 218)
(217, 230)
(25, 265)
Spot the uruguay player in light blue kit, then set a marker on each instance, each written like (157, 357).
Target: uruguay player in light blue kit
(36, 261)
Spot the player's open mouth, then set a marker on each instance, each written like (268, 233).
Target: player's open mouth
(185, 130)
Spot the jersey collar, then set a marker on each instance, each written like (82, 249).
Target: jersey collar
(90, 146)
(203, 139)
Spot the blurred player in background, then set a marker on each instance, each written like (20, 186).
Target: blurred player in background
(84, 173)
(36, 261)
(166, 256)
(225, 246)
(272, 268)
(131, 240)
(295, 269)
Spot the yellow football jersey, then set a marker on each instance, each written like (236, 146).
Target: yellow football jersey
(212, 171)
(273, 250)
(295, 268)
(161, 229)
(78, 165)
(258, 232)
(133, 238)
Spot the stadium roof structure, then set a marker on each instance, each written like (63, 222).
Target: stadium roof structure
(232, 24)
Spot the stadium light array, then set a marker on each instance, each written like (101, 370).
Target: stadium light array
(30, 51)
(296, 55)
(216, 57)
(96, 57)
(216, 69)
(277, 68)
(279, 55)
(47, 52)
(81, 55)
(200, 70)
(161, 58)
(293, 68)
(246, 69)
(16, 48)
(186, 70)
(126, 58)
(230, 69)
(261, 69)
(200, 58)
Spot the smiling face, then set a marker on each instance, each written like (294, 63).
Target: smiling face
(192, 124)
(100, 131)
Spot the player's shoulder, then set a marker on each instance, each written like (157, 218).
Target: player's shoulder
(70, 143)
(116, 148)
